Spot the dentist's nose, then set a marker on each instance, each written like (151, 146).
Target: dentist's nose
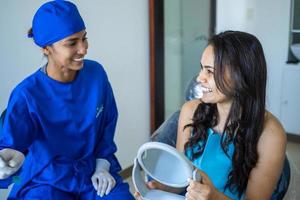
(82, 50)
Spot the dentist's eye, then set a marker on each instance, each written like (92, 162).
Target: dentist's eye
(71, 44)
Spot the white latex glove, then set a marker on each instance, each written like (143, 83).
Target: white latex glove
(10, 162)
(102, 181)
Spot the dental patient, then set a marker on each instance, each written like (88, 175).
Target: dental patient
(236, 144)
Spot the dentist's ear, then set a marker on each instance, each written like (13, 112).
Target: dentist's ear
(45, 50)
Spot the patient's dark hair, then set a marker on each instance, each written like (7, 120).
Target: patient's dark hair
(241, 55)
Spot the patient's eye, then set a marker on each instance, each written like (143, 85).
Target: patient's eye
(210, 71)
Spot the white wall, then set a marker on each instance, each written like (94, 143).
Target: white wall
(269, 21)
(119, 38)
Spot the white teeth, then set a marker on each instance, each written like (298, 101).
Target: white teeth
(78, 59)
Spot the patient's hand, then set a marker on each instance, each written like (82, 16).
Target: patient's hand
(137, 196)
(158, 186)
(10, 162)
(151, 185)
(203, 190)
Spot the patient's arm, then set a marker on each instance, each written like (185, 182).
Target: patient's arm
(271, 150)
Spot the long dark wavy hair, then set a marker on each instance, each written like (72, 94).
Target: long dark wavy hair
(241, 55)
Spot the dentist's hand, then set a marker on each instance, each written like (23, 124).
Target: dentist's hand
(102, 181)
(10, 162)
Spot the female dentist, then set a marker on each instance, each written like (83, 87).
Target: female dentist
(57, 136)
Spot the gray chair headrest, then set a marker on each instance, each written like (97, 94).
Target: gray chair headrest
(193, 90)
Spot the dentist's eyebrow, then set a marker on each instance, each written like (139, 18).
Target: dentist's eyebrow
(76, 38)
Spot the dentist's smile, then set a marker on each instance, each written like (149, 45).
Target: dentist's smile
(78, 59)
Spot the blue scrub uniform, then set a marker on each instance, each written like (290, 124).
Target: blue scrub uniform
(215, 163)
(64, 128)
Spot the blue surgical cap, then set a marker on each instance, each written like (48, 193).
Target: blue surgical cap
(54, 21)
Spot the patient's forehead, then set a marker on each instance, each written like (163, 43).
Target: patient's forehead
(208, 56)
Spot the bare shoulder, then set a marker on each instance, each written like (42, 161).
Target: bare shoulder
(273, 138)
(189, 107)
(273, 131)
(185, 118)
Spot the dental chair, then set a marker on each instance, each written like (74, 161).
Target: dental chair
(167, 133)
